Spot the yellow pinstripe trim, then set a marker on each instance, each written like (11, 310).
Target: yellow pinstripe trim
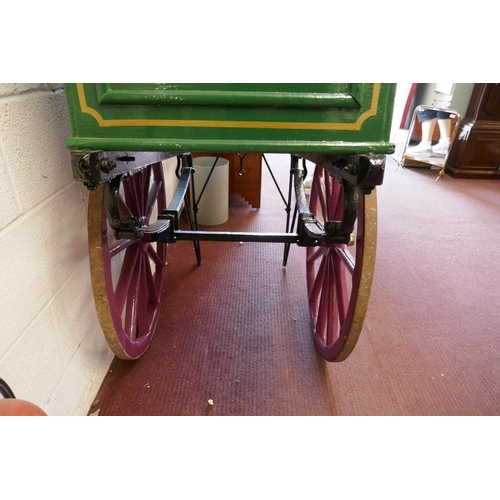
(132, 122)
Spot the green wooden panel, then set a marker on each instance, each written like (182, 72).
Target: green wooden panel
(291, 118)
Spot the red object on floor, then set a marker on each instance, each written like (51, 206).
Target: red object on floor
(19, 408)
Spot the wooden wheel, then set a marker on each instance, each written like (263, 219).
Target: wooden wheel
(127, 275)
(339, 277)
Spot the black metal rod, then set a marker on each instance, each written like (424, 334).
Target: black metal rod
(293, 165)
(182, 235)
(286, 251)
(193, 224)
(274, 179)
(206, 181)
(236, 236)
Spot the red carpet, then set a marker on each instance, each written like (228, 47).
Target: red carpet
(236, 330)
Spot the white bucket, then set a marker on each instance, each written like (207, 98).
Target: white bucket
(213, 208)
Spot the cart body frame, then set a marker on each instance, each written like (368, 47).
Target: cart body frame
(120, 131)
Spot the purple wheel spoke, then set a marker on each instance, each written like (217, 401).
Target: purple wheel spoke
(128, 268)
(324, 302)
(154, 299)
(139, 190)
(131, 197)
(120, 246)
(124, 209)
(143, 189)
(346, 258)
(333, 313)
(143, 306)
(322, 200)
(318, 282)
(316, 254)
(328, 187)
(154, 255)
(153, 196)
(341, 291)
(132, 306)
(146, 178)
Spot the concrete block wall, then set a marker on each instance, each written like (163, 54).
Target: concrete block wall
(52, 350)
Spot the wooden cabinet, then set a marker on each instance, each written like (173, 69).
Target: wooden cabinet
(476, 151)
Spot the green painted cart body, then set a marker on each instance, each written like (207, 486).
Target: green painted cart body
(121, 132)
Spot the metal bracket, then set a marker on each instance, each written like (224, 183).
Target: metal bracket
(99, 167)
(349, 214)
(85, 166)
(310, 231)
(127, 227)
(241, 171)
(364, 171)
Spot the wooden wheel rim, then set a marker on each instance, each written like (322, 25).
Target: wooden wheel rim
(127, 275)
(338, 298)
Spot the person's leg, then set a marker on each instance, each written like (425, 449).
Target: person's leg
(428, 130)
(445, 136)
(424, 146)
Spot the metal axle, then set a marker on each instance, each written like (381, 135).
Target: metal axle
(181, 235)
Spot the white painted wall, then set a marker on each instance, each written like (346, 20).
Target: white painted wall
(52, 350)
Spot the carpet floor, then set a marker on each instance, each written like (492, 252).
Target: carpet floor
(236, 329)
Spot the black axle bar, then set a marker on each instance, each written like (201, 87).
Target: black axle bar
(181, 235)
(236, 236)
